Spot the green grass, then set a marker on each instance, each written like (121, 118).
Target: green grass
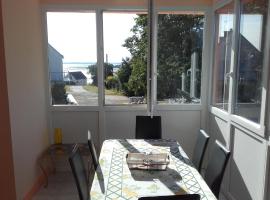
(91, 88)
(67, 88)
(94, 89)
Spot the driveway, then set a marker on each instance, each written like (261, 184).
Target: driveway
(82, 96)
(86, 98)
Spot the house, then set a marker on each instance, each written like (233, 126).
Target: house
(55, 64)
(78, 78)
(27, 119)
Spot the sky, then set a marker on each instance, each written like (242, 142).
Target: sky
(74, 35)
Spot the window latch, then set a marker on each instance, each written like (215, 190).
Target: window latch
(230, 74)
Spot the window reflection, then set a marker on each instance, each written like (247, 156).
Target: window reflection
(222, 61)
(250, 62)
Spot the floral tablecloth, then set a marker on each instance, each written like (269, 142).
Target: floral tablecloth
(114, 180)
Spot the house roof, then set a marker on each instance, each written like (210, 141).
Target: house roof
(78, 75)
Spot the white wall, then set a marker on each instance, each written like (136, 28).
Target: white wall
(26, 88)
(246, 171)
(75, 126)
(247, 166)
(179, 125)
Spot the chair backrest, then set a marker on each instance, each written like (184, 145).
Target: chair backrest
(216, 167)
(92, 150)
(148, 127)
(199, 149)
(79, 172)
(174, 197)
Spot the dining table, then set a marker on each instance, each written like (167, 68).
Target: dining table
(114, 180)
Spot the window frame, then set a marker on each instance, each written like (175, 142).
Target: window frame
(204, 57)
(45, 10)
(202, 106)
(212, 107)
(103, 103)
(231, 116)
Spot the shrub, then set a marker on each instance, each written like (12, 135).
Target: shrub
(112, 82)
(59, 93)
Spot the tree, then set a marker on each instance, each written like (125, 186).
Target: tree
(93, 72)
(178, 37)
(123, 74)
(58, 93)
(137, 46)
(108, 71)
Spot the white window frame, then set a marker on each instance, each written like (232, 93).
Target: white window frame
(230, 116)
(100, 60)
(205, 58)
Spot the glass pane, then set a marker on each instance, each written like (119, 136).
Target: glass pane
(71, 52)
(250, 62)
(125, 53)
(222, 60)
(179, 56)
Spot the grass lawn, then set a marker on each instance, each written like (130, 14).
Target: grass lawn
(94, 89)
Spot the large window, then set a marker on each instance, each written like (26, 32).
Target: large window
(71, 52)
(222, 59)
(125, 57)
(249, 56)
(253, 19)
(75, 57)
(179, 57)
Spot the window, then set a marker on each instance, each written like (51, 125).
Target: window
(125, 57)
(222, 58)
(71, 53)
(250, 58)
(179, 57)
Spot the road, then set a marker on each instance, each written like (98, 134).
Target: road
(86, 98)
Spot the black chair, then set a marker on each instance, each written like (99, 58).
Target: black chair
(216, 167)
(79, 172)
(199, 150)
(92, 150)
(174, 197)
(148, 127)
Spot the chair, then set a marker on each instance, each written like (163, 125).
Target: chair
(174, 197)
(199, 150)
(148, 127)
(79, 172)
(92, 150)
(216, 167)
